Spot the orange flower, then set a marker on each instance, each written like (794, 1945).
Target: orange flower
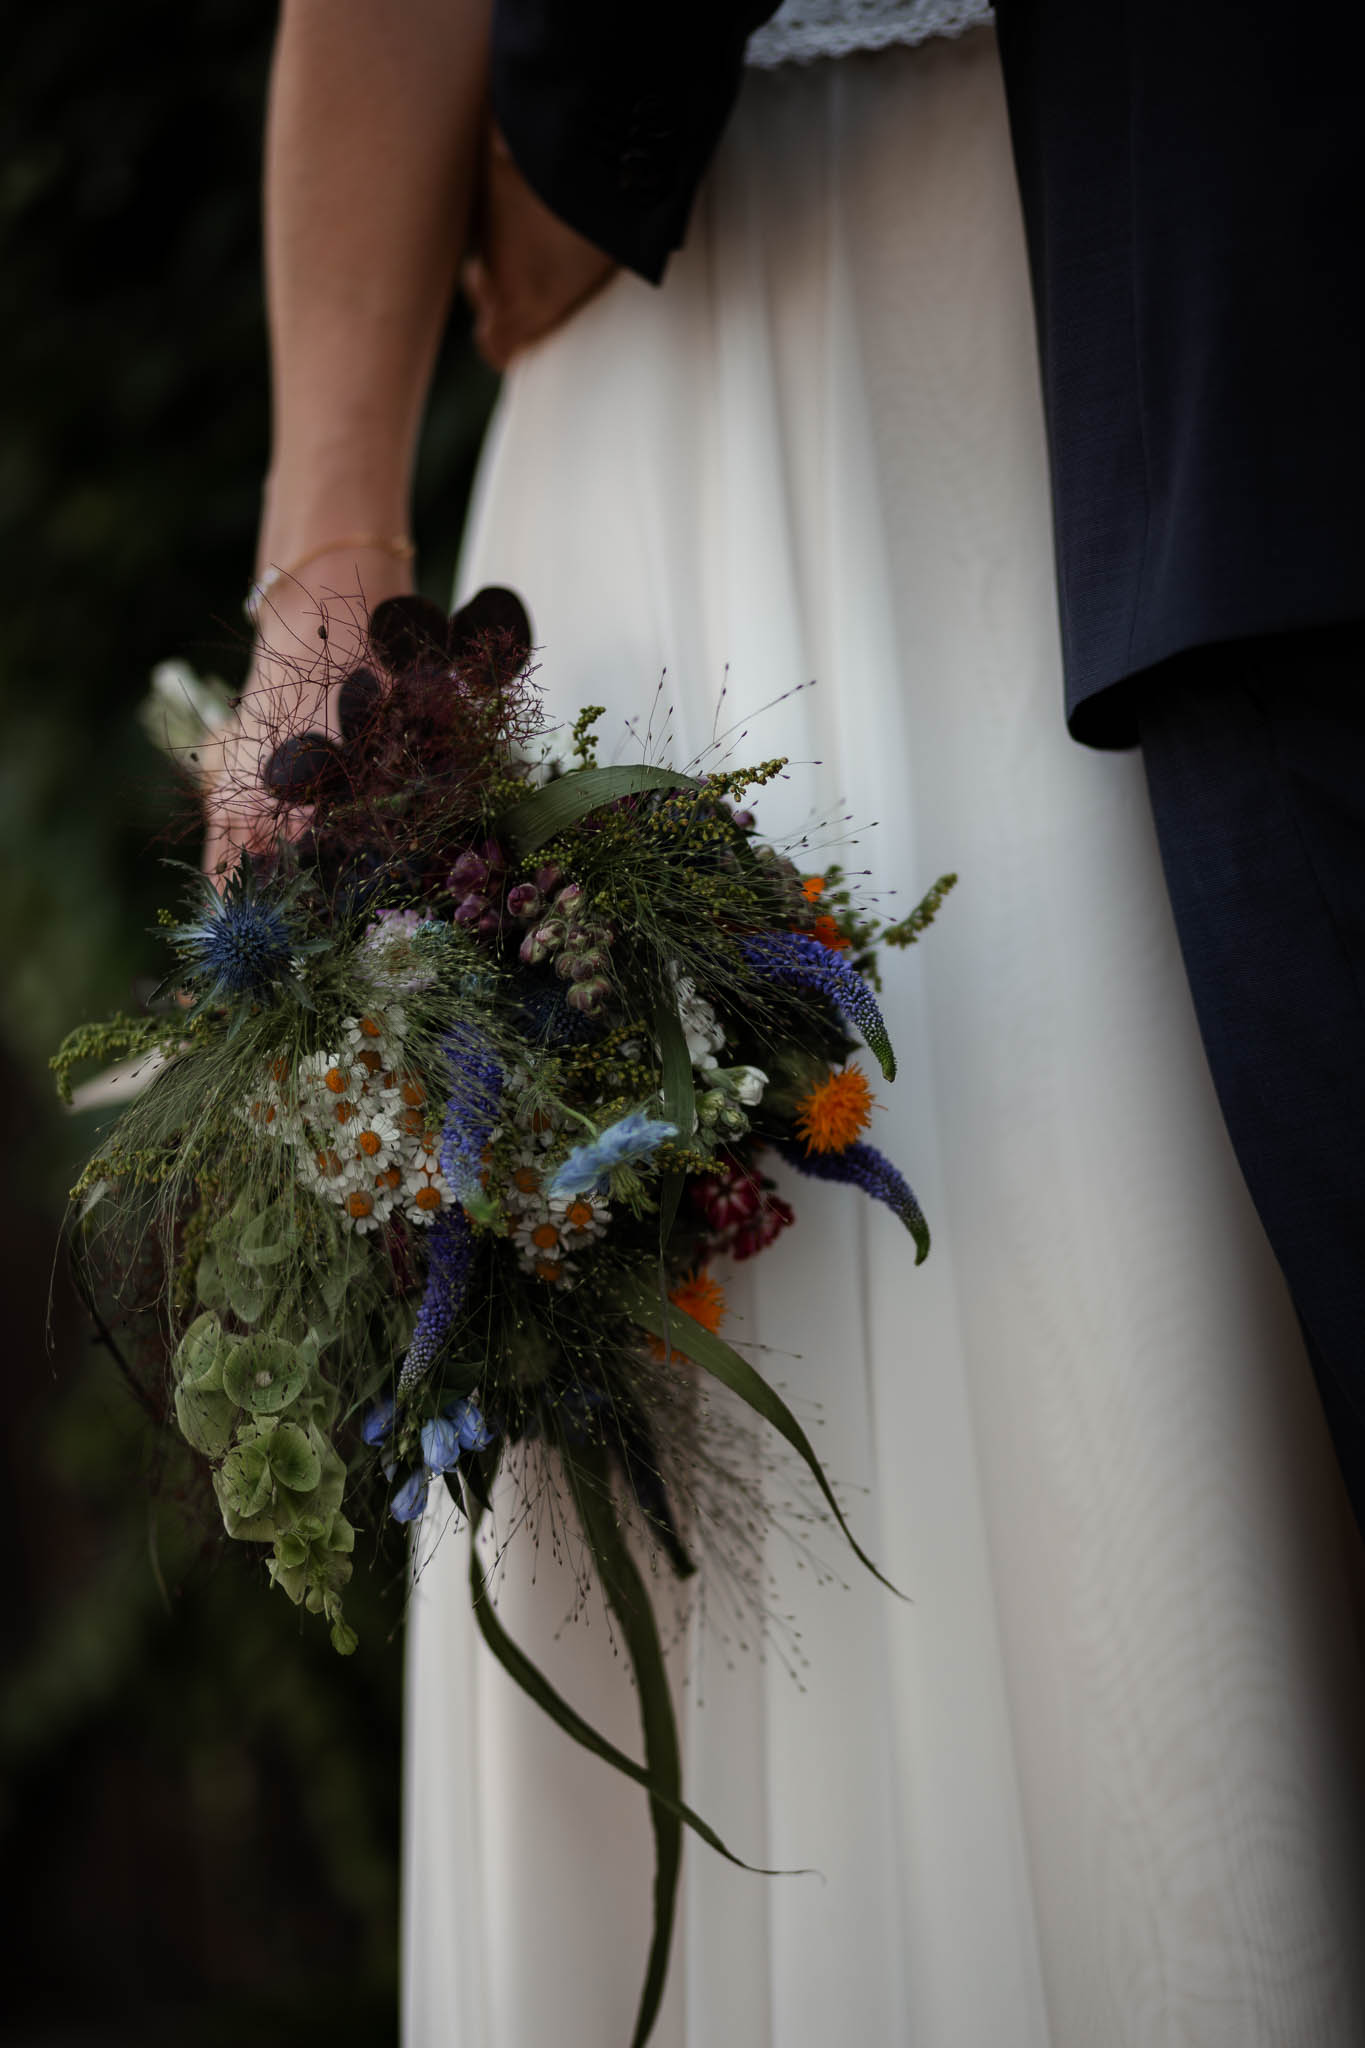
(835, 1111)
(828, 933)
(697, 1296)
(813, 888)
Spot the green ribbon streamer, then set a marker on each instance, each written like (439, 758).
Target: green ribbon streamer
(539, 818)
(645, 1303)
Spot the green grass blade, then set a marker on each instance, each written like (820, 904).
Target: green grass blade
(680, 1101)
(539, 818)
(642, 1300)
(523, 1672)
(628, 1598)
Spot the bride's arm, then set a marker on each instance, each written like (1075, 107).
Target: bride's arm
(374, 121)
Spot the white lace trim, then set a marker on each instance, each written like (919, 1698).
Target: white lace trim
(803, 30)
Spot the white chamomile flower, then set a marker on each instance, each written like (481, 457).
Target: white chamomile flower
(524, 1193)
(265, 1113)
(580, 1218)
(365, 1208)
(378, 1031)
(374, 1139)
(536, 1237)
(425, 1190)
(327, 1079)
(538, 1123)
(541, 1251)
(323, 1168)
(555, 1272)
(405, 1096)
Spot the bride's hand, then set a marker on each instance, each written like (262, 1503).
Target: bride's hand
(531, 270)
(290, 690)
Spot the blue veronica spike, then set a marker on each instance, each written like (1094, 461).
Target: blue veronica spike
(451, 1241)
(476, 1088)
(635, 1136)
(862, 1166)
(795, 960)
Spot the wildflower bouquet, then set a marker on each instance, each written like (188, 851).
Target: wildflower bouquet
(464, 1088)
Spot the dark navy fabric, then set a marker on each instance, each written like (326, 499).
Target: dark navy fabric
(1255, 759)
(612, 110)
(1193, 182)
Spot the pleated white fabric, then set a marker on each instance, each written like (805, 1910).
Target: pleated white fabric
(1099, 1784)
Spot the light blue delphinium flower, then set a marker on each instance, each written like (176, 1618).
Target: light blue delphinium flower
(467, 1421)
(634, 1137)
(440, 1445)
(378, 1422)
(410, 1498)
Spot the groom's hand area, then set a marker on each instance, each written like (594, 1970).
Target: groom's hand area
(530, 270)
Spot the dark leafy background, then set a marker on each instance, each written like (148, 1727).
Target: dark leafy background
(199, 1803)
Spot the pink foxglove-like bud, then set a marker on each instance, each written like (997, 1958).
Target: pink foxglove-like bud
(588, 996)
(469, 871)
(525, 902)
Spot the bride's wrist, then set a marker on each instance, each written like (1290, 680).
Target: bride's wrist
(312, 496)
(339, 563)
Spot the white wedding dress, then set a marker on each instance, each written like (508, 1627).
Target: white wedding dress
(1099, 1783)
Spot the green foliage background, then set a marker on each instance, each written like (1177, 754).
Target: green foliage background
(199, 1802)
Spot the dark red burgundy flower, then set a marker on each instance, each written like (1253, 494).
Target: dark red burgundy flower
(741, 1208)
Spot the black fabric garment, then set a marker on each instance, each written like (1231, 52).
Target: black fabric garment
(1255, 759)
(612, 110)
(1193, 182)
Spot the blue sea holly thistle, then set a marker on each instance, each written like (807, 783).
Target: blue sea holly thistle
(241, 947)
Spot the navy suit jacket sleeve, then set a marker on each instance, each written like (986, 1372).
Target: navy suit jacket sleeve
(612, 110)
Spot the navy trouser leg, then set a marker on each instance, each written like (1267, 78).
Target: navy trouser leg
(1255, 758)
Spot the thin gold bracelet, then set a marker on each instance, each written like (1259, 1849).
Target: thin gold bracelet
(400, 546)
